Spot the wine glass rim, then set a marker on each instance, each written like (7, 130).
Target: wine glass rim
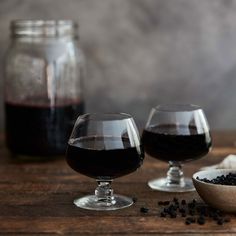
(106, 116)
(177, 107)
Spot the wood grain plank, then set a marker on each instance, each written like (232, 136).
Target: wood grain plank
(101, 225)
(36, 199)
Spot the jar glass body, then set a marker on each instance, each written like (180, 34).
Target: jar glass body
(43, 88)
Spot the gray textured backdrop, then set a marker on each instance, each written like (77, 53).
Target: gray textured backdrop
(144, 52)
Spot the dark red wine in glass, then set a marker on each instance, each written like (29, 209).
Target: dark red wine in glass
(104, 147)
(176, 134)
(89, 156)
(176, 143)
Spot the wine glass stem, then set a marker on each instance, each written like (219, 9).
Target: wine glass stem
(104, 193)
(175, 175)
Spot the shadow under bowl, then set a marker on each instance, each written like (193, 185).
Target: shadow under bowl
(222, 197)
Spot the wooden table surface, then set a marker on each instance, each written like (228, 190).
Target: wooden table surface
(36, 199)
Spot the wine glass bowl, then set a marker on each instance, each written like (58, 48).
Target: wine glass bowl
(104, 147)
(176, 133)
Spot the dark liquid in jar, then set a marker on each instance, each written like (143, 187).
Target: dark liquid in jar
(41, 129)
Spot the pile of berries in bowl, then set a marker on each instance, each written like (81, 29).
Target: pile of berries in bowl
(217, 188)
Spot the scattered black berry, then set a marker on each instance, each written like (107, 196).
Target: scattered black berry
(192, 211)
(182, 210)
(176, 204)
(183, 202)
(211, 214)
(220, 213)
(191, 205)
(163, 214)
(194, 201)
(135, 199)
(144, 210)
(201, 220)
(173, 215)
(174, 207)
(187, 222)
(220, 221)
(166, 210)
(175, 199)
(166, 203)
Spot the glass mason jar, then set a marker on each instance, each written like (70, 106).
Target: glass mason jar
(44, 74)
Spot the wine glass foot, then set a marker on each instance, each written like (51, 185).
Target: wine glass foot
(90, 202)
(162, 185)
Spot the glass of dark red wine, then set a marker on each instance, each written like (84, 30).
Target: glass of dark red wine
(176, 134)
(104, 147)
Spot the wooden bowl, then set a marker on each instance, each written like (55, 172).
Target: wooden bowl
(222, 197)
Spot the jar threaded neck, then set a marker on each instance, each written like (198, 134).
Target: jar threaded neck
(43, 28)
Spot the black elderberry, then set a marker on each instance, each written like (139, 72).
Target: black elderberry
(192, 211)
(220, 221)
(182, 210)
(166, 210)
(183, 202)
(175, 199)
(135, 199)
(173, 215)
(163, 214)
(187, 222)
(201, 220)
(166, 203)
(144, 210)
(229, 179)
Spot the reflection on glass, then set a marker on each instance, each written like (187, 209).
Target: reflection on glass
(176, 134)
(104, 147)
